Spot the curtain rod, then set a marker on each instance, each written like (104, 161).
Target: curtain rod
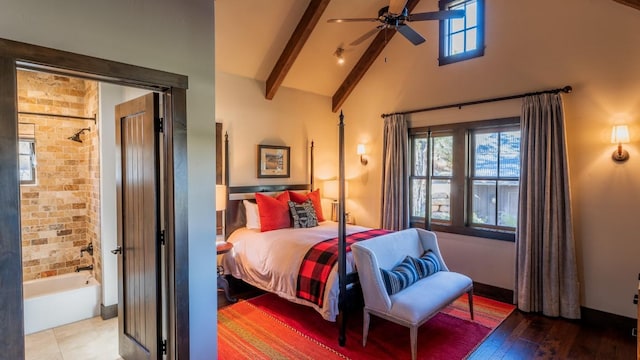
(566, 89)
(58, 115)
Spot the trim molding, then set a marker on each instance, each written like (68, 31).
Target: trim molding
(108, 312)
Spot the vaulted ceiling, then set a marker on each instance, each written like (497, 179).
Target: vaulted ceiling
(289, 42)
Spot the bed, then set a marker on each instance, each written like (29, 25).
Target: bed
(270, 260)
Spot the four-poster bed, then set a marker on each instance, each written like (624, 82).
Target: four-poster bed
(268, 261)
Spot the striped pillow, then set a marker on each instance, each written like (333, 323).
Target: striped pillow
(427, 264)
(403, 275)
(304, 215)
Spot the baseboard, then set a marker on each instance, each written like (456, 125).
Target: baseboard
(108, 312)
(493, 292)
(621, 324)
(603, 319)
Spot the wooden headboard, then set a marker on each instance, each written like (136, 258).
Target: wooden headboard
(235, 215)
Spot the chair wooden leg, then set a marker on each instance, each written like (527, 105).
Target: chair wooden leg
(470, 295)
(365, 327)
(413, 333)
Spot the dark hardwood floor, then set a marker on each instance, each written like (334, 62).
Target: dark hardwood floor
(527, 336)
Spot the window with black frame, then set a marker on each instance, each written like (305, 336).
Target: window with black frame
(465, 177)
(462, 38)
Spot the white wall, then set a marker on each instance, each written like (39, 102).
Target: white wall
(531, 45)
(175, 36)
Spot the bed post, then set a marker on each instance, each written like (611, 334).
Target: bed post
(311, 180)
(225, 169)
(342, 256)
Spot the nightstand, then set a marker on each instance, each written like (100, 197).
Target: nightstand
(222, 248)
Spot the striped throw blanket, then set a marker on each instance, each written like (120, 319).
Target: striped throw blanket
(318, 262)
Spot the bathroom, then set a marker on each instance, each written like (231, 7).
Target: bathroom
(68, 206)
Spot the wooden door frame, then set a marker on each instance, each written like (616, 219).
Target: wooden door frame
(14, 54)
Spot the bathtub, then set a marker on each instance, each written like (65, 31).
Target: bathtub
(60, 300)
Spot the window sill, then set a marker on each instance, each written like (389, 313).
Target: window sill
(475, 232)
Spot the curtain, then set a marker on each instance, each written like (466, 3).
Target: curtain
(395, 173)
(546, 270)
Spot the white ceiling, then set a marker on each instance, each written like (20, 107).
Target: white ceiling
(251, 34)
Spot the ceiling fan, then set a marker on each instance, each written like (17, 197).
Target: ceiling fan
(396, 16)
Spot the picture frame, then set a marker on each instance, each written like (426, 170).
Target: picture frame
(274, 161)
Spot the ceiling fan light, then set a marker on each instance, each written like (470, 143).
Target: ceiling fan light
(339, 55)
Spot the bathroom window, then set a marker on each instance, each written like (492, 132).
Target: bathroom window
(27, 155)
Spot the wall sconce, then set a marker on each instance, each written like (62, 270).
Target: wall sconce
(339, 55)
(360, 151)
(620, 135)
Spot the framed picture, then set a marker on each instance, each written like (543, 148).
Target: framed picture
(273, 161)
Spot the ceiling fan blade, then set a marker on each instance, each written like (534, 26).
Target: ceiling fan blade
(397, 6)
(437, 15)
(366, 35)
(411, 34)
(352, 20)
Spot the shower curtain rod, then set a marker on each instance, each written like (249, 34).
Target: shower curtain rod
(566, 89)
(59, 115)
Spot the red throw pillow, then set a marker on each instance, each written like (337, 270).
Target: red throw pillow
(274, 212)
(314, 196)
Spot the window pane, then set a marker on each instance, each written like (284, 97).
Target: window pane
(25, 168)
(510, 154)
(441, 200)
(457, 25)
(472, 40)
(507, 203)
(418, 198)
(483, 202)
(471, 14)
(420, 156)
(486, 154)
(457, 43)
(443, 155)
(24, 147)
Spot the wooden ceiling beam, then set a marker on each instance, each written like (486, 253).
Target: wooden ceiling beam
(299, 37)
(633, 3)
(366, 60)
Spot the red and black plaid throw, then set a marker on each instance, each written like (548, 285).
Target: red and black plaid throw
(318, 262)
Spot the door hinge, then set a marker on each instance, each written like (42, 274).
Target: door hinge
(159, 124)
(161, 236)
(164, 347)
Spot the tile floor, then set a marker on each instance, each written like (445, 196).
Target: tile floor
(94, 339)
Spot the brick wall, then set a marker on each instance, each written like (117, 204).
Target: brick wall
(57, 210)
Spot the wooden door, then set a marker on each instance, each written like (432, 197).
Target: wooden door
(137, 176)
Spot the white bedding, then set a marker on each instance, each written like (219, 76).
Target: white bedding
(271, 260)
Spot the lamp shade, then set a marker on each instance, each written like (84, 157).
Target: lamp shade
(221, 197)
(620, 134)
(331, 189)
(360, 149)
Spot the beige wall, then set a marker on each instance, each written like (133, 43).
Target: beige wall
(293, 118)
(533, 45)
(530, 45)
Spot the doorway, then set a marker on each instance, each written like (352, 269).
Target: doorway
(14, 55)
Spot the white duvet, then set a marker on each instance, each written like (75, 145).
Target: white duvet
(270, 261)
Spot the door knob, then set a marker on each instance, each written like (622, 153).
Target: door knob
(117, 250)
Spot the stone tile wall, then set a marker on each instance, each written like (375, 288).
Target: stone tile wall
(57, 210)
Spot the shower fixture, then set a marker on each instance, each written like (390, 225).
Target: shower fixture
(76, 137)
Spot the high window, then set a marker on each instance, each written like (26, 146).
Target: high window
(462, 38)
(27, 154)
(465, 178)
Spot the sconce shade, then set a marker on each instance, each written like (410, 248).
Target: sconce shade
(221, 197)
(360, 149)
(620, 134)
(331, 190)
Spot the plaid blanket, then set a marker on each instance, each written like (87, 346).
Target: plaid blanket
(318, 262)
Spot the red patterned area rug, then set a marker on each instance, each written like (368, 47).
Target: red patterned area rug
(451, 334)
